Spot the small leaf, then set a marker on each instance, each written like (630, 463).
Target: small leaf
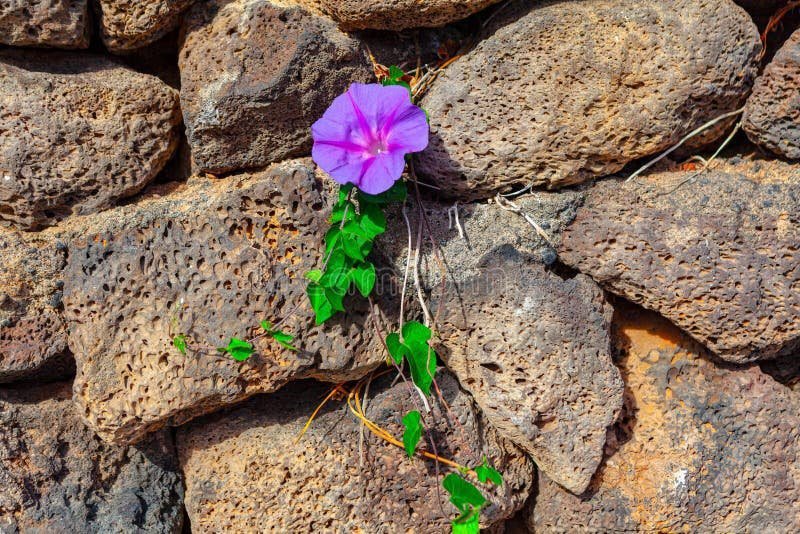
(323, 309)
(412, 432)
(395, 72)
(486, 472)
(463, 494)
(397, 350)
(314, 275)
(467, 523)
(372, 220)
(421, 357)
(267, 326)
(363, 276)
(179, 342)
(397, 193)
(337, 272)
(356, 242)
(239, 349)
(284, 339)
(345, 211)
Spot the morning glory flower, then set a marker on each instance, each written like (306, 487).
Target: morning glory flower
(363, 137)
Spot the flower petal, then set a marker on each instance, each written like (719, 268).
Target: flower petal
(409, 131)
(378, 103)
(382, 173)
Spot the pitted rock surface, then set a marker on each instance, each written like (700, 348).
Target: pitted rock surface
(210, 260)
(550, 100)
(534, 351)
(129, 24)
(395, 15)
(702, 448)
(532, 348)
(245, 472)
(45, 23)
(772, 115)
(85, 132)
(33, 336)
(718, 255)
(255, 75)
(56, 476)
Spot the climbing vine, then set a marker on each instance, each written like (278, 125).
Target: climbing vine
(363, 142)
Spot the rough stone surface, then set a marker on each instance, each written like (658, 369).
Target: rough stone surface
(398, 15)
(532, 348)
(703, 448)
(772, 115)
(210, 260)
(549, 100)
(534, 352)
(45, 23)
(255, 76)
(244, 471)
(83, 132)
(33, 336)
(129, 24)
(56, 476)
(717, 255)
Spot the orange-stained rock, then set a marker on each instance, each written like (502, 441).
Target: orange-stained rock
(716, 253)
(48, 23)
(398, 15)
(247, 472)
(129, 24)
(210, 259)
(701, 447)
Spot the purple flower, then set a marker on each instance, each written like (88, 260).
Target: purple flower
(366, 132)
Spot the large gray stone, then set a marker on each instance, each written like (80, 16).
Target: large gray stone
(209, 259)
(574, 90)
(255, 75)
(81, 132)
(245, 471)
(718, 254)
(56, 476)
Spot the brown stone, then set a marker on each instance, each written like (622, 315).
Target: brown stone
(46, 23)
(56, 476)
(83, 132)
(129, 24)
(255, 76)
(245, 471)
(549, 99)
(716, 254)
(33, 336)
(532, 348)
(702, 448)
(398, 15)
(210, 260)
(772, 115)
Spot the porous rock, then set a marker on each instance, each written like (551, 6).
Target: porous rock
(129, 24)
(47, 23)
(56, 476)
(83, 132)
(549, 99)
(209, 260)
(532, 348)
(772, 115)
(245, 471)
(716, 253)
(701, 447)
(395, 15)
(255, 75)
(33, 336)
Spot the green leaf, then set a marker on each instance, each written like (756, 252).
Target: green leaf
(467, 523)
(412, 432)
(395, 72)
(322, 306)
(363, 276)
(397, 193)
(422, 359)
(356, 242)
(238, 349)
(486, 472)
(179, 342)
(314, 275)
(397, 350)
(346, 210)
(284, 339)
(372, 220)
(463, 494)
(337, 273)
